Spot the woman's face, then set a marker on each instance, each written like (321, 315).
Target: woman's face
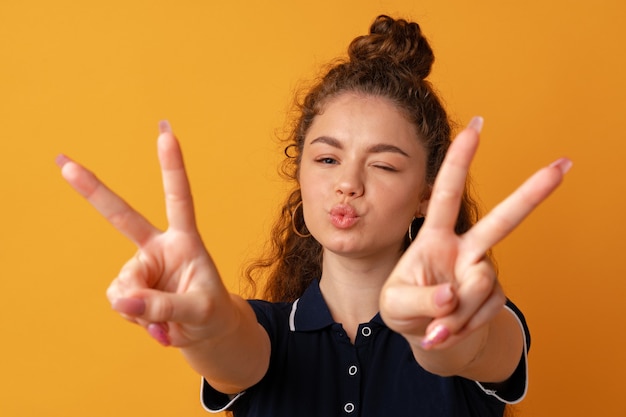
(362, 176)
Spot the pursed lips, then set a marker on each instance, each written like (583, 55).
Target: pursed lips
(343, 216)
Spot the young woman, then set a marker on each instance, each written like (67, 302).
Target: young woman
(363, 315)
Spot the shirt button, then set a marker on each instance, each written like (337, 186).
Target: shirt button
(366, 331)
(352, 370)
(348, 408)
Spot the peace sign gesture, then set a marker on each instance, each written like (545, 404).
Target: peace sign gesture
(444, 288)
(171, 286)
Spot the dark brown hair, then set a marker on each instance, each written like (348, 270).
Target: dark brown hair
(392, 61)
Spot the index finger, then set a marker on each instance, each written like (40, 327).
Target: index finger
(122, 216)
(178, 198)
(445, 200)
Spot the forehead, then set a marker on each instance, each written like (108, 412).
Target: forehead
(364, 118)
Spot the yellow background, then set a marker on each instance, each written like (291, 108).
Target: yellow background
(92, 79)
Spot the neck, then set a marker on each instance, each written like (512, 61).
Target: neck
(351, 288)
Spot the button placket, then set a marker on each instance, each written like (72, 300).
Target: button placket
(351, 375)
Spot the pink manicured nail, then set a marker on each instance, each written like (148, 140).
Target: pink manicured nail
(61, 160)
(130, 306)
(435, 336)
(443, 295)
(563, 164)
(157, 331)
(476, 123)
(164, 126)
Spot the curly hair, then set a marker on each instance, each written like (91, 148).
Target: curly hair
(392, 61)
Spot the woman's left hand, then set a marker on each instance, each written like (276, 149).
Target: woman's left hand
(444, 287)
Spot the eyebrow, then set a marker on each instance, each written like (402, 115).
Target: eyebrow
(377, 148)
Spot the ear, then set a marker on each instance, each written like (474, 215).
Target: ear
(422, 208)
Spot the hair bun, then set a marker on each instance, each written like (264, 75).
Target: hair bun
(396, 41)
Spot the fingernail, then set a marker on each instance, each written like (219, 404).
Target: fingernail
(157, 331)
(130, 306)
(476, 123)
(443, 295)
(61, 160)
(563, 164)
(437, 335)
(165, 127)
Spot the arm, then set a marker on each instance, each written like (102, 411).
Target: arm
(444, 296)
(171, 287)
(238, 359)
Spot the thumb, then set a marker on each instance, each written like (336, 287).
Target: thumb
(159, 307)
(409, 308)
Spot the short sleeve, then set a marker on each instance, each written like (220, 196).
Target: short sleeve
(214, 401)
(514, 389)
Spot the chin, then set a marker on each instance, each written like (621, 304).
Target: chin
(342, 246)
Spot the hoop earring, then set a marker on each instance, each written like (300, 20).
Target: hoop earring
(293, 221)
(419, 222)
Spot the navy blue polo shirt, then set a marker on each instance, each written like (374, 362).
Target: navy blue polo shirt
(316, 371)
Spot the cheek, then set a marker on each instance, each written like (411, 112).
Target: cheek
(312, 182)
(308, 189)
(311, 192)
(402, 205)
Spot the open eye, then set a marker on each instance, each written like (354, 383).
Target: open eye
(326, 160)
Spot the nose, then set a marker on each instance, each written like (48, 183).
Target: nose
(350, 182)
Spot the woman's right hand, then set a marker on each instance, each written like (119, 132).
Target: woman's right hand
(171, 286)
